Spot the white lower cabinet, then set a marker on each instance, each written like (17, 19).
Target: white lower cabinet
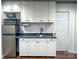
(30, 47)
(33, 49)
(51, 48)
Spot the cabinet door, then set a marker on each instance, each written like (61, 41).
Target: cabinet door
(51, 48)
(11, 6)
(30, 10)
(9, 47)
(33, 48)
(44, 11)
(52, 11)
(8, 29)
(23, 48)
(41, 11)
(23, 12)
(7, 6)
(26, 48)
(42, 48)
(27, 12)
(16, 6)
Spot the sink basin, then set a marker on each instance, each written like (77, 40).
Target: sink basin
(41, 35)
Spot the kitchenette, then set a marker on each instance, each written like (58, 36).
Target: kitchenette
(27, 29)
(38, 28)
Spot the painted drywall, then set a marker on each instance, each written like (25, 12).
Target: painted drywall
(71, 8)
(75, 41)
(35, 28)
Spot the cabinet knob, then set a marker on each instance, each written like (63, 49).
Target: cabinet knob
(41, 20)
(26, 41)
(27, 20)
(37, 41)
(48, 20)
(47, 42)
(51, 39)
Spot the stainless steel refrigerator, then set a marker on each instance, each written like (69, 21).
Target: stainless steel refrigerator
(10, 28)
(9, 40)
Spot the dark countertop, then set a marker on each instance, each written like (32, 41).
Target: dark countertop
(35, 35)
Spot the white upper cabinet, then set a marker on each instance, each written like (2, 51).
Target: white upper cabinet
(23, 12)
(7, 6)
(27, 12)
(41, 11)
(30, 9)
(16, 6)
(33, 11)
(52, 11)
(11, 6)
(38, 12)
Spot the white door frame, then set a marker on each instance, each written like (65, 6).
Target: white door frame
(68, 24)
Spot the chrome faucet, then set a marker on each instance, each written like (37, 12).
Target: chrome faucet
(41, 30)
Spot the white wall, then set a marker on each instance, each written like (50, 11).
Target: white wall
(75, 42)
(71, 8)
(35, 28)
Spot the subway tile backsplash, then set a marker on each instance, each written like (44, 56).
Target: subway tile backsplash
(35, 28)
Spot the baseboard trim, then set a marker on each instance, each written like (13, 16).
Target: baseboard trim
(75, 55)
(62, 52)
(70, 51)
(9, 57)
(1, 57)
(37, 56)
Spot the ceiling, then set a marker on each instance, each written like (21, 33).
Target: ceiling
(65, 0)
(43, 0)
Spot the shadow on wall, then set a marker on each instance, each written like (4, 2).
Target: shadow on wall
(35, 28)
